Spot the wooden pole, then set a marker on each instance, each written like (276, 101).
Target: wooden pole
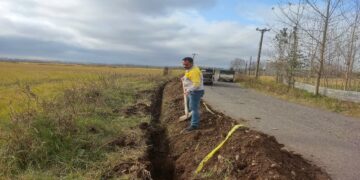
(259, 52)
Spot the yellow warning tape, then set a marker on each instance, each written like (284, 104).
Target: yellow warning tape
(211, 154)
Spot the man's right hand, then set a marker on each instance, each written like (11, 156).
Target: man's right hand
(186, 93)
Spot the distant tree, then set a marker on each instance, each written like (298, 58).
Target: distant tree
(288, 56)
(237, 65)
(281, 43)
(293, 59)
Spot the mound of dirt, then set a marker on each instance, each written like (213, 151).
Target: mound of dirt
(247, 154)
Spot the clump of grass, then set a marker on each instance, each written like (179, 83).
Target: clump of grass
(270, 86)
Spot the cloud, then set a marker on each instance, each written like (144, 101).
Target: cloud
(156, 7)
(127, 31)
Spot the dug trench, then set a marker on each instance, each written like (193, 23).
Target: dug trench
(248, 154)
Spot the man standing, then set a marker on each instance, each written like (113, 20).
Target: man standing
(194, 90)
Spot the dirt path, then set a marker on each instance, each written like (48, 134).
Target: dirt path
(331, 140)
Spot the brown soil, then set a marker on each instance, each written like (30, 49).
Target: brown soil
(141, 109)
(247, 155)
(171, 154)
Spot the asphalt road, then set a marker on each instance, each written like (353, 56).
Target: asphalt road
(330, 140)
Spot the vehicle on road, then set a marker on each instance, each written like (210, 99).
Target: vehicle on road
(208, 76)
(226, 76)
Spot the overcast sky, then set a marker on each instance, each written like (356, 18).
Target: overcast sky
(144, 32)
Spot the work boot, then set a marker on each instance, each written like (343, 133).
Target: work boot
(191, 128)
(188, 130)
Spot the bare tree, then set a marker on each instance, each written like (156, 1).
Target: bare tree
(293, 59)
(313, 28)
(281, 41)
(325, 17)
(351, 53)
(293, 15)
(238, 64)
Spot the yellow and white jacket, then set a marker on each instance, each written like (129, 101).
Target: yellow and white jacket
(193, 79)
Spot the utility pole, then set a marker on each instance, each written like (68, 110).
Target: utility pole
(259, 53)
(250, 66)
(194, 54)
(246, 65)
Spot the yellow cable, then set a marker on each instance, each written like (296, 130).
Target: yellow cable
(211, 154)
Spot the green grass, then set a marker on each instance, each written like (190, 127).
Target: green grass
(269, 86)
(64, 128)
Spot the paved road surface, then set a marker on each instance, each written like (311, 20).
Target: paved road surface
(330, 140)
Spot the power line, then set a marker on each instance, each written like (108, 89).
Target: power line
(194, 54)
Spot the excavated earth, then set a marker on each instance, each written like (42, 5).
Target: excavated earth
(248, 154)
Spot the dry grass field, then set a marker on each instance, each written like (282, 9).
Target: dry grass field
(73, 121)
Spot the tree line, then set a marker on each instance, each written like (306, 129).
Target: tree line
(315, 39)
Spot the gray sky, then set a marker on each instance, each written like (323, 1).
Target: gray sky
(151, 32)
